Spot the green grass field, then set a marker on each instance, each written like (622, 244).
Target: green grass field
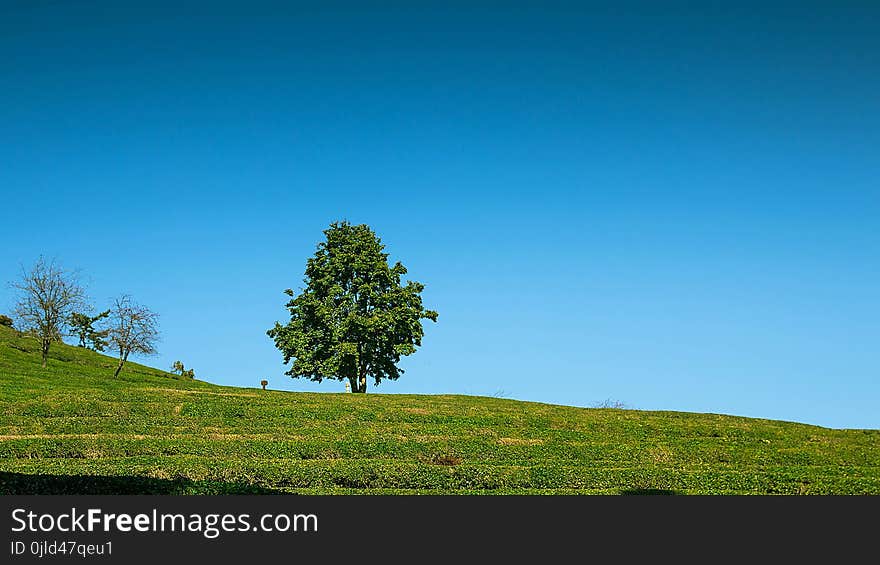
(72, 428)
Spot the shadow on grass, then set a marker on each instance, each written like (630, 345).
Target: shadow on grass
(20, 483)
(644, 491)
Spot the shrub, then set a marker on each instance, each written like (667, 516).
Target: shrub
(178, 369)
(5, 320)
(611, 403)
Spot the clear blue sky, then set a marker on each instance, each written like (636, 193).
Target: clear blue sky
(674, 207)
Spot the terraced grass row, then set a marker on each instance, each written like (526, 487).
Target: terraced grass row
(295, 475)
(485, 451)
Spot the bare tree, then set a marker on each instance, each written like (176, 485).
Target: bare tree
(47, 295)
(133, 329)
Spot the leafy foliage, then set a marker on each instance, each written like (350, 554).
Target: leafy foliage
(82, 326)
(355, 318)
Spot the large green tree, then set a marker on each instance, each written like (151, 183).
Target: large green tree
(354, 319)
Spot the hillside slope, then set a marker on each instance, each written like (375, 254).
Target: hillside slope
(72, 428)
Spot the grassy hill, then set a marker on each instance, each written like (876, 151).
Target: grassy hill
(72, 428)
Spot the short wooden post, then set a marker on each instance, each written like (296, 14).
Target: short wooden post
(264, 382)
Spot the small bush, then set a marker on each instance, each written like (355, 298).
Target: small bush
(5, 320)
(611, 403)
(178, 369)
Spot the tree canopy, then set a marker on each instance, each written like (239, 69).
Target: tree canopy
(355, 318)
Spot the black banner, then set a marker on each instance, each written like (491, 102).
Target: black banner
(454, 529)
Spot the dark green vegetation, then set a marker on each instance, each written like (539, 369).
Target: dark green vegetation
(73, 428)
(355, 318)
(83, 326)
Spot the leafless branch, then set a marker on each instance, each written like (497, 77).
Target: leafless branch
(133, 329)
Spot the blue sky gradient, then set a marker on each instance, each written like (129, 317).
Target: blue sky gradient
(675, 207)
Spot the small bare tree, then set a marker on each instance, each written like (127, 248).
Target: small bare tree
(178, 368)
(133, 329)
(47, 295)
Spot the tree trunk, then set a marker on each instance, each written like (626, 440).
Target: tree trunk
(122, 360)
(358, 383)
